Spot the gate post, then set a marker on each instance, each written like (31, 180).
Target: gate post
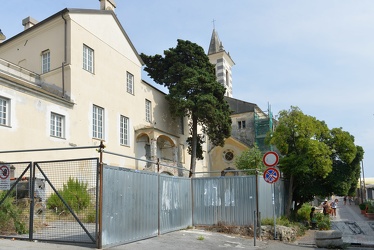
(99, 240)
(32, 201)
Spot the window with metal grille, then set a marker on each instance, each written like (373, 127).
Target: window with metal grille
(98, 122)
(130, 83)
(4, 111)
(124, 130)
(148, 110)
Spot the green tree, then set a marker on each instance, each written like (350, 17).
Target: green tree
(315, 160)
(305, 156)
(250, 159)
(345, 156)
(193, 92)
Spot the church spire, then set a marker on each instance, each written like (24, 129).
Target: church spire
(215, 44)
(222, 61)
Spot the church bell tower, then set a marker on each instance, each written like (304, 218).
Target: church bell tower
(222, 61)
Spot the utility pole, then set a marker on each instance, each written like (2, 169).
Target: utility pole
(363, 182)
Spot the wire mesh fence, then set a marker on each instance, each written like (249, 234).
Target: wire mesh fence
(51, 200)
(15, 203)
(69, 206)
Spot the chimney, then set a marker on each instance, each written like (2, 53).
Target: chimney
(107, 5)
(28, 22)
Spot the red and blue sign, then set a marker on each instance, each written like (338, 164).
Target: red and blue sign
(271, 175)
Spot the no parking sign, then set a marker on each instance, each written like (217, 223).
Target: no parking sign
(271, 175)
(4, 177)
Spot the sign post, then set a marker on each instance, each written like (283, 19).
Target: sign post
(271, 175)
(4, 177)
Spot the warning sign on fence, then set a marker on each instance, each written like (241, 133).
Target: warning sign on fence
(4, 177)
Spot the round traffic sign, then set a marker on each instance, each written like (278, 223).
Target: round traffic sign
(271, 175)
(270, 159)
(4, 172)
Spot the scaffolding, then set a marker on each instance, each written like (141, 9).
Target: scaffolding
(263, 125)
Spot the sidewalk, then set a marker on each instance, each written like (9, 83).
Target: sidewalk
(356, 228)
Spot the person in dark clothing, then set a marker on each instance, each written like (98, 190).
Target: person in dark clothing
(326, 207)
(313, 221)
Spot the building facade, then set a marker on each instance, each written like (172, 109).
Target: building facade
(74, 79)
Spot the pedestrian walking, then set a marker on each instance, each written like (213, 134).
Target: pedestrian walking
(345, 200)
(334, 205)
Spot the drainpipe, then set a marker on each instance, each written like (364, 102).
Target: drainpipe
(65, 51)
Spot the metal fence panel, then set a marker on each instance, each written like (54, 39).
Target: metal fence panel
(228, 200)
(175, 203)
(267, 206)
(280, 198)
(130, 203)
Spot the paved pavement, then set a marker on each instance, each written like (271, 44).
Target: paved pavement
(358, 233)
(356, 228)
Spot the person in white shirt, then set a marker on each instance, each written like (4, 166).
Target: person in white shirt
(334, 205)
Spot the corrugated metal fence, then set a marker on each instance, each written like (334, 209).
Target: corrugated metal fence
(230, 200)
(139, 205)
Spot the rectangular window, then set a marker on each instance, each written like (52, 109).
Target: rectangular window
(4, 111)
(148, 110)
(88, 57)
(98, 122)
(124, 130)
(57, 125)
(130, 83)
(46, 61)
(241, 124)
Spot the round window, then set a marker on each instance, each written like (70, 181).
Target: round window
(228, 155)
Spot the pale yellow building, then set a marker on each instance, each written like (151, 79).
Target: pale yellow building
(74, 80)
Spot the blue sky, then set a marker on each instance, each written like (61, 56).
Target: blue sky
(314, 54)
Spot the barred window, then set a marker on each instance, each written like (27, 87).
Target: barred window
(98, 122)
(148, 110)
(124, 130)
(130, 83)
(4, 111)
